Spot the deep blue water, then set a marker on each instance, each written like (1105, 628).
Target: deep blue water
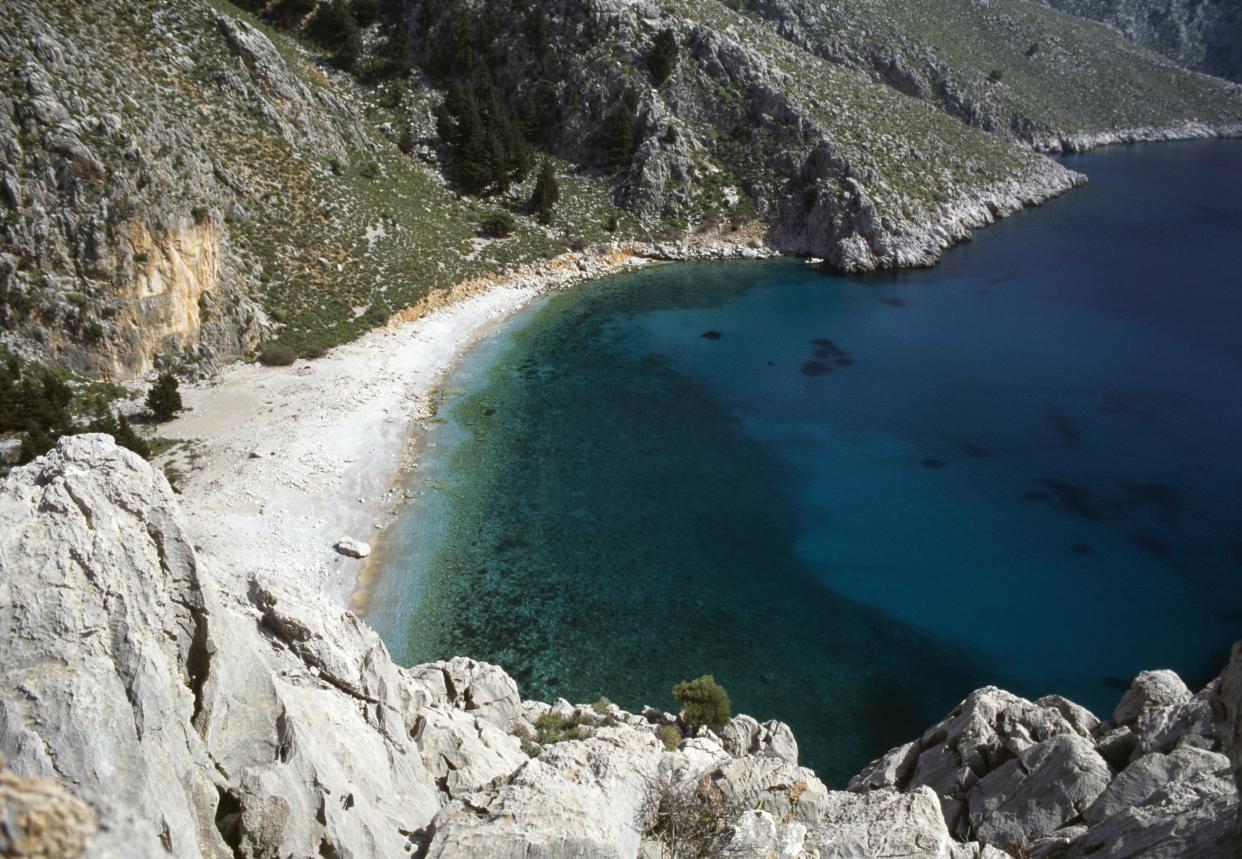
(859, 498)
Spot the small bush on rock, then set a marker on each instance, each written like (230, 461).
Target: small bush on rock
(694, 821)
(671, 736)
(553, 728)
(703, 701)
(277, 355)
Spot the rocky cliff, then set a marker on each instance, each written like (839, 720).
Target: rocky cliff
(153, 706)
(181, 180)
(1205, 35)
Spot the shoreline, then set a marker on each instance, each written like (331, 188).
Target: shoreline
(279, 463)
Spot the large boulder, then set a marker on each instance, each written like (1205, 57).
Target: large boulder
(989, 729)
(882, 823)
(1033, 795)
(1138, 783)
(1150, 692)
(198, 722)
(103, 630)
(1165, 807)
(578, 798)
(744, 735)
(1226, 702)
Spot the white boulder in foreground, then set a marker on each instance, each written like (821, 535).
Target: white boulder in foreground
(147, 708)
(352, 548)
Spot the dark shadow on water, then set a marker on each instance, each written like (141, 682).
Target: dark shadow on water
(1074, 498)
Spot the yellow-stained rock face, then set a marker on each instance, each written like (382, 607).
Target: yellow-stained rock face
(160, 305)
(172, 271)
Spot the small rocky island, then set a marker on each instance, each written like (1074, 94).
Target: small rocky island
(155, 706)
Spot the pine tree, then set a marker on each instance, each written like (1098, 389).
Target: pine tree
(546, 195)
(164, 400)
(334, 27)
(120, 430)
(621, 134)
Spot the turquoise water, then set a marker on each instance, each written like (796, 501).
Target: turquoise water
(854, 500)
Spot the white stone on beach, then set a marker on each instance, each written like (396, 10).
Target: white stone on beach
(352, 548)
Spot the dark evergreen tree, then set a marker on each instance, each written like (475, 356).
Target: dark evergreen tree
(620, 136)
(546, 195)
(366, 12)
(164, 398)
(662, 59)
(334, 27)
(120, 430)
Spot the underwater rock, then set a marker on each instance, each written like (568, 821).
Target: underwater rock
(1067, 429)
(1076, 499)
(815, 368)
(1163, 496)
(1153, 545)
(829, 345)
(711, 335)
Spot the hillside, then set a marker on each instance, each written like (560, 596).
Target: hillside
(186, 181)
(1205, 35)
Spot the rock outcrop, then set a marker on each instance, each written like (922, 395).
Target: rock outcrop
(149, 708)
(1048, 776)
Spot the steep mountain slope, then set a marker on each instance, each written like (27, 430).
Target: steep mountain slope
(180, 182)
(1205, 35)
(1010, 67)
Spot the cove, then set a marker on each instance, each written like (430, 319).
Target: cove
(854, 500)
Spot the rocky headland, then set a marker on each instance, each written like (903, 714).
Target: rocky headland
(152, 705)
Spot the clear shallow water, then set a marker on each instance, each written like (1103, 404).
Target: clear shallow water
(864, 497)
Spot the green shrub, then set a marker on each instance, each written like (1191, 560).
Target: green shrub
(498, 225)
(164, 398)
(603, 706)
(671, 736)
(334, 27)
(703, 701)
(277, 355)
(552, 728)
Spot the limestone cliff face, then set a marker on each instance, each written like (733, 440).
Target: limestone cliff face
(171, 297)
(152, 706)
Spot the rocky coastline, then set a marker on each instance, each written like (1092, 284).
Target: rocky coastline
(152, 705)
